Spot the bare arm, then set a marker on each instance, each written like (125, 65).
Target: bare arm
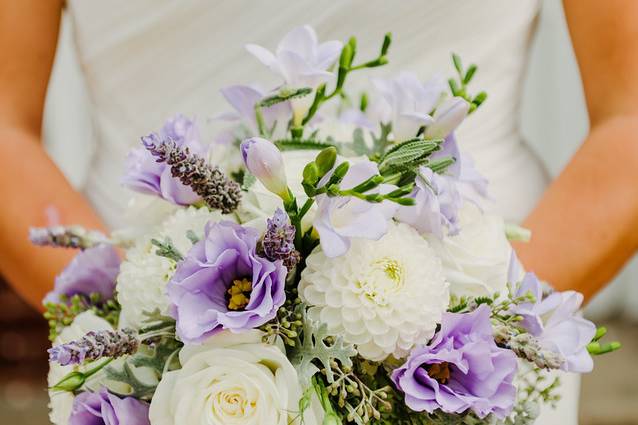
(29, 181)
(586, 225)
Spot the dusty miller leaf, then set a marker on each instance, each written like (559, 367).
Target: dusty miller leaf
(316, 343)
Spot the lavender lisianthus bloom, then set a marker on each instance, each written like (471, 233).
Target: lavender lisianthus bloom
(224, 284)
(144, 174)
(339, 219)
(93, 270)
(554, 320)
(104, 408)
(408, 102)
(461, 368)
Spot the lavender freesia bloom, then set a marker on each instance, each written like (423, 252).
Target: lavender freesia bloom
(438, 201)
(408, 103)
(243, 100)
(144, 174)
(555, 321)
(93, 270)
(223, 284)
(300, 59)
(471, 182)
(340, 219)
(104, 408)
(461, 368)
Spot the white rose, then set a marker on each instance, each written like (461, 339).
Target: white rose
(476, 260)
(61, 402)
(231, 379)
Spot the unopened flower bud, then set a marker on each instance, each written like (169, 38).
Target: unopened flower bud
(447, 117)
(326, 160)
(264, 161)
(70, 382)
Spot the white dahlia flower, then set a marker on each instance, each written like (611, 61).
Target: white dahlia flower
(143, 275)
(477, 259)
(61, 402)
(385, 296)
(232, 379)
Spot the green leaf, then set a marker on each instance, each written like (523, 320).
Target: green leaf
(284, 95)
(317, 344)
(291, 145)
(248, 180)
(411, 151)
(167, 249)
(359, 145)
(139, 388)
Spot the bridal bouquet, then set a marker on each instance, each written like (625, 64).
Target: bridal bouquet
(325, 260)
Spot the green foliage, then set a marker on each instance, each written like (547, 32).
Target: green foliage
(458, 86)
(284, 96)
(167, 249)
(408, 155)
(156, 360)
(292, 145)
(60, 315)
(315, 345)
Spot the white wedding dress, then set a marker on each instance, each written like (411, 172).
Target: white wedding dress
(146, 60)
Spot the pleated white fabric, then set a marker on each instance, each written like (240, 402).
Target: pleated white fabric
(146, 60)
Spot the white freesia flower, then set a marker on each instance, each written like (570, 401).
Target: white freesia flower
(476, 260)
(385, 296)
(143, 275)
(62, 401)
(231, 379)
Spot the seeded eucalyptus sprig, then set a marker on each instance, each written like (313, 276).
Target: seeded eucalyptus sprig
(459, 87)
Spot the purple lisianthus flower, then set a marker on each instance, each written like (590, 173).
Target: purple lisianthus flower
(339, 219)
(144, 174)
(104, 408)
(555, 321)
(93, 270)
(461, 368)
(438, 201)
(223, 284)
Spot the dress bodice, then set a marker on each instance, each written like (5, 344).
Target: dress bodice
(146, 60)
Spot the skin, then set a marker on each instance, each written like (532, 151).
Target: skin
(30, 183)
(584, 226)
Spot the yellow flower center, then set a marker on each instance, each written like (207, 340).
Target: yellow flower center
(386, 277)
(439, 372)
(239, 294)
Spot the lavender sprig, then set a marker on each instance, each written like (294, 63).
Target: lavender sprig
(66, 237)
(527, 347)
(96, 345)
(279, 240)
(209, 182)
